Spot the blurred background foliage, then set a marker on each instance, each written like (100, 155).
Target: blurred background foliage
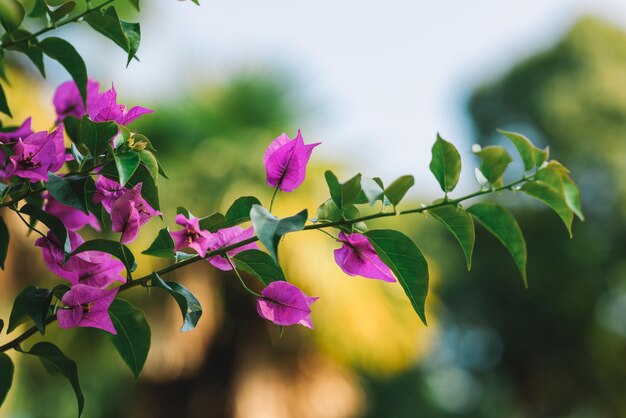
(493, 349)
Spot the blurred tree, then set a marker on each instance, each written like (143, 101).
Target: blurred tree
(557, 349)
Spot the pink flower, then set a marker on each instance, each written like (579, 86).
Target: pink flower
(106, 109)
(285, 304)
(36, 155)
(192, 236)
(68, 102)
(107, 192)
(87, 307)
(130, 212)
(285, 162)
(93, 268)
(357, 257)
(72, 218)
(226, 237)
(21, 132)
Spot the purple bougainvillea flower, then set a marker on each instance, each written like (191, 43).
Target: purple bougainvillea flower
(357, 257)
(72, 218)
(192, 236)
(68, 102)
(226, 237)
(93, 268)
(285, 304)
(36, 155)
(13, 135)
(106, 109)
(285, 162)
(107, 192)
(130, 212)
(87, 306)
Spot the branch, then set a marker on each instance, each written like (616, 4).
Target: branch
(222, 251)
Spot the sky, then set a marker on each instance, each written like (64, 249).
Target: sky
(378, 79)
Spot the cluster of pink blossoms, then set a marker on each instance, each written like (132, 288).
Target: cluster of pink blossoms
(32, 156)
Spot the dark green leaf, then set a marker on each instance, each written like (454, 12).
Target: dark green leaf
(493, 162)
(6, 376)
(329, 212)
(270, 229)
(33, 303)
(62, 11)
(260, 264)
(501, 223)
(52, 222)
(69, 190)
(126, 164)
(133, 334)
(343, 194)
(116, 249)
(456, 220)
(162, 246)
(107, 22)
(189, 306)
(395, 191)
(239, 211)
(72, 129)
(445, 164)
(212, 222)
(553, 198)
(406, 261)
(56, 363)
(40, 9)
(63, 52)
(531, 156)
(11, 14)
(4, 106)
(96, 135)
(4, 242)
(27, 48)
(133, 34)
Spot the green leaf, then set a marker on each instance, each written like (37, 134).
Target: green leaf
(126, 164)
(572, 197)
(33, 303)
(63, 52)
(62, 11)
(493, 162)
(557, 176)
(456, 220)
(270, 229)
(133, 34)
(69, 190)
(329, 212)
(27, 48)
(56, 363)
(239, 211)
(531, 156)
(162, 246)
(149, 190)
(406, 261)
(501, 223)
(96, 135)
(212, 222)
(52, 222)
(395, 191)
(4, 105)
(107, 22)
(133, 334)
(72, 129)
(553, 198)
(150, 162)
(445, 164)
(40, 9)
(11, 15)
(6, 376)
(4, 242)
(116, 249)
(259, 264)
(343, 194)
(189, 306)
(135, 4)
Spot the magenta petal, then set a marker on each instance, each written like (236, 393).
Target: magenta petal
(88, 307)
(68, 102)
(125, 219)
(285, 162)
(226, 237)
(135, 113)
(357, 257)
(22, 132)
(285, 304)
(192, 236)
(107, 192)
(72, 218)
(106, 108)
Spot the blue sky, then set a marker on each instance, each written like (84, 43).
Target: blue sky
(380, 78)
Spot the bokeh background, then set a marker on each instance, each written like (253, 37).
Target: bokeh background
(375, 82)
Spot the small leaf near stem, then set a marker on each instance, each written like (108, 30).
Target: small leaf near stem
(243, 283)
